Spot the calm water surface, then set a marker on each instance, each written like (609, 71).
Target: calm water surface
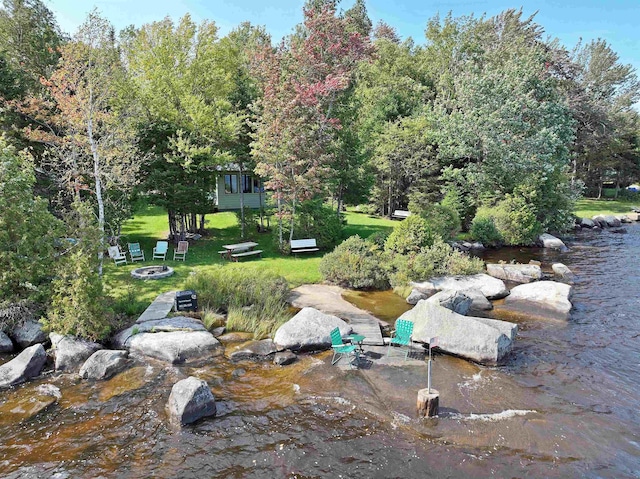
(564, 405)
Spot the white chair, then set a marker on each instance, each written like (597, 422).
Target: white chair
(181, 251)
(117, 255)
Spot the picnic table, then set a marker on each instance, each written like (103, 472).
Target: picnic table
(239, 250)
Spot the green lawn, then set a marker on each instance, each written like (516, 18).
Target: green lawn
(589, 207)
(150, 225)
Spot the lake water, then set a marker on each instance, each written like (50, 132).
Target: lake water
(564, 405)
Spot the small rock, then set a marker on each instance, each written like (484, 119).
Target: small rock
(563, 272)
(551, 242)
(104, 364)
(456, 301)
(535, 262)
(518, 273)
(619, 231)
(24, 366)
(6, 345)
(284, 358)
(28, 334)
(255, 350)
(238, 373)
(417, 295)
(477, 245)
(190, 400)
(587, 223)
(218, 331)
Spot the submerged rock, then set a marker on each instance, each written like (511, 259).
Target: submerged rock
(190, 400)
(25, 403)
(547, 298)
(491, 288)
(518, 273)
(486, 341)
(255, 350)
(309, 329)
(456, 301)
(6, 345)
(551, 242)
(71, 352)
(24, 366)
(284, 358)
(28, 334)
(104, 364)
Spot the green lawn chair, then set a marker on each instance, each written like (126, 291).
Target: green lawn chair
(135, 252)
(340, 349)
(160, 251)
(402, 336)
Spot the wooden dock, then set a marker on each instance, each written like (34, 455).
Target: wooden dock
(369, 328)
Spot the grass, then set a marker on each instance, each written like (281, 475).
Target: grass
(589, 207)
(150, 225)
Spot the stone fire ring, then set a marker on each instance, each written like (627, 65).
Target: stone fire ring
(152, 272)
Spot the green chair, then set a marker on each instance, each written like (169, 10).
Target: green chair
(135, 252)
(402, 336)
(340, 349)
(160, 250)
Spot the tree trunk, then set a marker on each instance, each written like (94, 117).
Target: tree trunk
(279, 221)
(242, 232)
(293, 219)
(201, 228)
(261, 207)
(99, 199)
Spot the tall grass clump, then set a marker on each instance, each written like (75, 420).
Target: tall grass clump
(255, 303)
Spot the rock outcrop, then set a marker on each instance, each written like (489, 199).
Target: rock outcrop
(104, 364)
(544, 298)
(71, 352)
(551, 242)
(518, 273)
(486, 341)
(253, 350)
(174, 340)
(309, 329)
(24, 366)
(491, 288)
(6, 345)
(562, 272)
(456, 301)
(28, 334)
(190, 400)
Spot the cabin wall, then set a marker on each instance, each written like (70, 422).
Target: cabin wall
(231, 201)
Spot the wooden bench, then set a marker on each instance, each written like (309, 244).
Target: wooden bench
(401, 214)
(304, 246)
(236, 256)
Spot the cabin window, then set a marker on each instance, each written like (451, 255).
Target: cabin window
(230, 184)
(247, 182)
(257, 187)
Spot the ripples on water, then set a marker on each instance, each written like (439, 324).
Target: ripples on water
(565, 405)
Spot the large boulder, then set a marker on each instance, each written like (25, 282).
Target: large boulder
(309, 329)
(71, 352)
(104, 364)
(551, 242)
(563, 272)
(255, 350)
(544, 298)
(175, 346)
(485, 341)
(177, 323)
(417, 295)
(599, 221)
(190, 400)
(28, 334)
(6, 345)
(24, 366)
(518, 273)
(492, 288)
(612, 221)
(454, 300)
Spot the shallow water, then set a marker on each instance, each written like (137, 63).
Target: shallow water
(564, 405)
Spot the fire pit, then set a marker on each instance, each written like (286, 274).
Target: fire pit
(152, 272)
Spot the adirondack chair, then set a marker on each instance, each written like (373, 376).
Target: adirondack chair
(135, 252)
(402, 336)
(181, 251)
(117, 255)
(160, 250)
(340, 349)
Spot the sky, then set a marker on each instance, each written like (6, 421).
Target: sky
(616, 21)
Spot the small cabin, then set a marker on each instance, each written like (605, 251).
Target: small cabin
(229, 184)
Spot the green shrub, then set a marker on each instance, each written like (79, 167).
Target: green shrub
(410, 235)
(13, 314)
(257, 302)
(368, 209)
(315, 220)
(439, 259)
(355, 263)
(483, 229)
(379, 238)
(516, 221)
(444, 221)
